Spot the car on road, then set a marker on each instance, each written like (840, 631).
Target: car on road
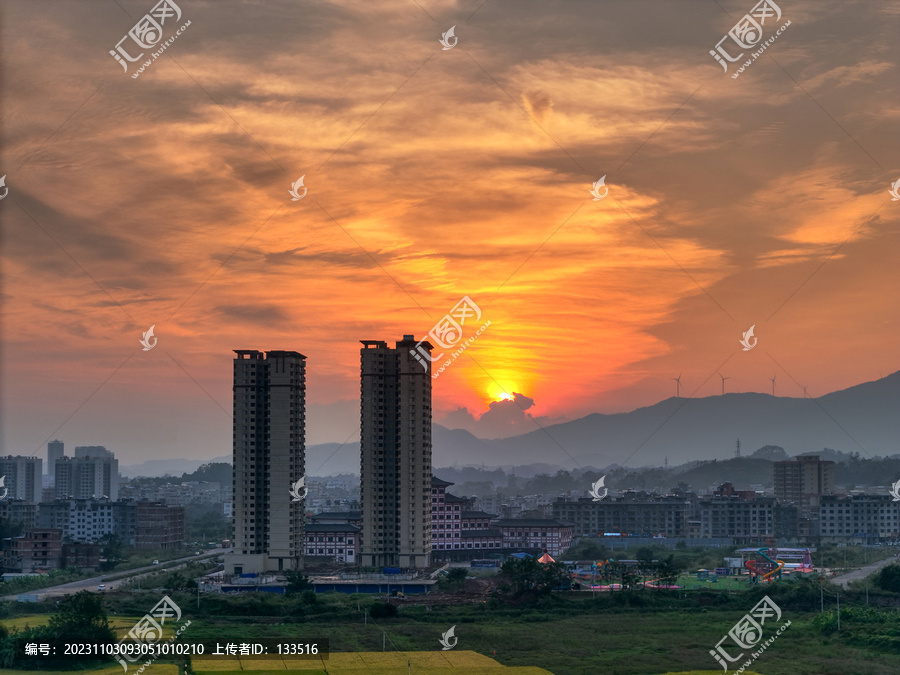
(156, 562)
(197, 553)
(101, 587)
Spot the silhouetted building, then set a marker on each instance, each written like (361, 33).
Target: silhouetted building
(55, 451)
(21, 478)
(269, 459)
(87, 477)
(395, 450)
(802, 481)
(92, 451)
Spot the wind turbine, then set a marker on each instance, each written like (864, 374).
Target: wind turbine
(677, 386)
(773, 383)
(723, 382)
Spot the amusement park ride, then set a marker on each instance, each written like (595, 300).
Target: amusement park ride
(766, 570)
(770, 568)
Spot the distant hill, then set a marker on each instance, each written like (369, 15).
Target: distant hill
(860, 419)
(156, 468)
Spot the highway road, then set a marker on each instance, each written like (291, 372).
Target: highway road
(137, 573)
(845, 579)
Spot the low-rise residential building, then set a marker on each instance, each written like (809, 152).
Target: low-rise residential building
(144, 525)
(38, 549)
(158, 526)
(550, 534)
(865, 518)
(178, 494)
(18, 511)
(634, 514)
(80, 555)
(744, 520)
(87, 520)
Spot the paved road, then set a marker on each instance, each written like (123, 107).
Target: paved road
(92, 583)
(845, 579)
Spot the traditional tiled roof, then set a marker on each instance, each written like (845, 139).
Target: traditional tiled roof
(331, 527)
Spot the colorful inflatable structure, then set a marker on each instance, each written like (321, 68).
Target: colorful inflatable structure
(766, 570)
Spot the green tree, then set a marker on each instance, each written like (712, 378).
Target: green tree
(82, 618)
(527, 576)
(297, 582)
(667, 570)
(453, 580)
(888, 578)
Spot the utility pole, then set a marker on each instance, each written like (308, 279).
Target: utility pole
(839, 610)
(821, 600)
(384, 635)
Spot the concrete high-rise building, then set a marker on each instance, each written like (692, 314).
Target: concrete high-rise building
(269, 444)
(803, 481)
(55, 451)
(395, 449)
(21, 478)
(87, 477)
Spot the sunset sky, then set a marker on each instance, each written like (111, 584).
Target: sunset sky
(434, 174)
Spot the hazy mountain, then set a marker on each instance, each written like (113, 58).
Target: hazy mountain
(860, 419)
(156, 468)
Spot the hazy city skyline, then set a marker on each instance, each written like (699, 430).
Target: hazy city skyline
(434, 174)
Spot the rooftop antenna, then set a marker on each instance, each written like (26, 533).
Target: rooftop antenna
(677, 386)
(773, 383)
(723, 382)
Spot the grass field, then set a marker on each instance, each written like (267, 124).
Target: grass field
(623, 633)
